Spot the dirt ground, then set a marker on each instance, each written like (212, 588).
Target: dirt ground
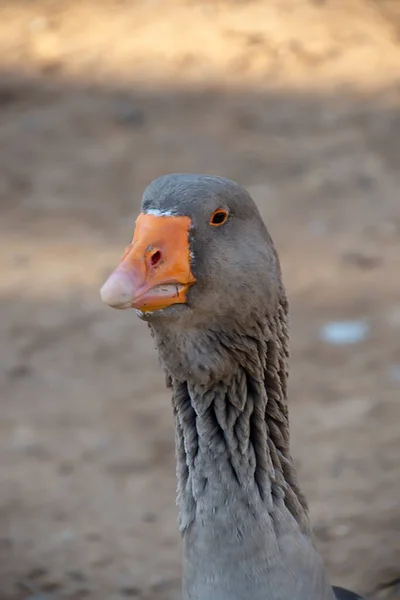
(298, 101)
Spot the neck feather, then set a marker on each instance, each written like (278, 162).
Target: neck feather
(231, 417)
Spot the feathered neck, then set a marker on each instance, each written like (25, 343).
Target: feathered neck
(230, 405)
(244, 521)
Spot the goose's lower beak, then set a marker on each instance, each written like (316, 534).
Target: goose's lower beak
(155, 271)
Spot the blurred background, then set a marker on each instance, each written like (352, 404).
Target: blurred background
(299, 102)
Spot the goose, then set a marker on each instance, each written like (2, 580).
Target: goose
(203, 272)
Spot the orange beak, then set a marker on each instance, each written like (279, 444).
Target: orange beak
(154, 272)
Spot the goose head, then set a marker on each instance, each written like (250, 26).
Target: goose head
(200, 254)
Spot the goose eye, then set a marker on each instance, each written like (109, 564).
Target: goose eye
(219, 217)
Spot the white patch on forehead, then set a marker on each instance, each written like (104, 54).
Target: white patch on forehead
(159, 213)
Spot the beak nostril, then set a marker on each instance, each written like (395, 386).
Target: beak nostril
(155, 258)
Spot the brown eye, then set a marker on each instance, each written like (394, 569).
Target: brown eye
(219, 217)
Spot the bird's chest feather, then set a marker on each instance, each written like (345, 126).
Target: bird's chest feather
(237, 554)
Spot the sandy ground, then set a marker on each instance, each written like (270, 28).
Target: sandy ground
(299, 101)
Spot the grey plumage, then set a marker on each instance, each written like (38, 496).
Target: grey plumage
(244, 521)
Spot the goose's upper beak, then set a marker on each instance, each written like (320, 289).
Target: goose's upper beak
(155, 271)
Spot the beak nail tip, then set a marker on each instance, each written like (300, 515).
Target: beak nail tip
(114, 292)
